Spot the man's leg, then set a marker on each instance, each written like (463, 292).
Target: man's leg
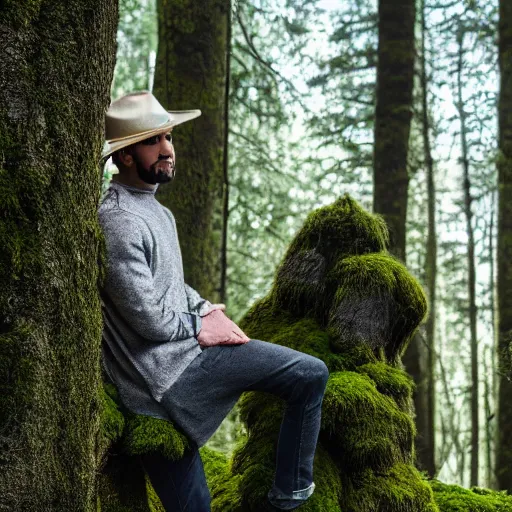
(302, 386)
(180, 485)
(212, 384)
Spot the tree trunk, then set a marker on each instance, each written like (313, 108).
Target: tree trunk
(504, 442)
(425, 416)
(191, 72)
(56, 66)
(468, 214)
(225, 167)
(395, 76)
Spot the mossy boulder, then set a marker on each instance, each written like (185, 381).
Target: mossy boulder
(337, 295)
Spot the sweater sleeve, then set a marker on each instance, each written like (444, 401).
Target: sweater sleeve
(129, 282)
(195, 302)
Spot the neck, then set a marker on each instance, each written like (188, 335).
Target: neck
(132, 181)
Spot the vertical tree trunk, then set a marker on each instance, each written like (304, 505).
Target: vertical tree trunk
(494, 351)
(426, 447)
(56, 66)
(191, 72)
(468, 214)
(488, 426)
(395, 76)
(225, 208)
(504, 441)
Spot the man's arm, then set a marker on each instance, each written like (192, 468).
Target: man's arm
(129, 282)
(196, 303)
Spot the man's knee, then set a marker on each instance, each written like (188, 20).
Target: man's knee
(315, 372)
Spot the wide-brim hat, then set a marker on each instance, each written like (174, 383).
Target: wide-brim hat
(136, 117)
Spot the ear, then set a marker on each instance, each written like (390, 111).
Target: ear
(126, 158)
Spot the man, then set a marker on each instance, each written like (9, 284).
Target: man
(172, 354)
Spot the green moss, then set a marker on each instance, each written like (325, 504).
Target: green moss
(341, 229)
(265, 322)
(377, 303)
(144, 434)
(366, 427)
(453, 498)
(112, 419)
(390, 381)
(398, 489)
(223, 487)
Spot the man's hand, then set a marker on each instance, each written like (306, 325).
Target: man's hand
(218, 329)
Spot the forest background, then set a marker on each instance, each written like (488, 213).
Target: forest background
(301, 131)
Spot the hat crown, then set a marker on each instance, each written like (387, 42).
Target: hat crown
(133, 114)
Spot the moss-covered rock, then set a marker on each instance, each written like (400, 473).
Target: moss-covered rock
(338, 295)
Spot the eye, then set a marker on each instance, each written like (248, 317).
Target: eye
(151, 141)
(169, 137)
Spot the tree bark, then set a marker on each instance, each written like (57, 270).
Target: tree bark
(468, 214)
(56, 66)
(395, 76)
(504, 441)
(191, 72)
(425, 416)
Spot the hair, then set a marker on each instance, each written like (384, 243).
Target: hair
(116, 158)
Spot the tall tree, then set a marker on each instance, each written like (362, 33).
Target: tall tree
(425, 418)
(504, 444)
(471, 277)
(191, 72)
(56, 66)
(393, 112)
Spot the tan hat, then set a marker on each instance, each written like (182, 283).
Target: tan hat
(136, 117)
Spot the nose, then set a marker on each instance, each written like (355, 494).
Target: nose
(166, 147)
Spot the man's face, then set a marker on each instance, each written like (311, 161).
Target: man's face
(155, 159)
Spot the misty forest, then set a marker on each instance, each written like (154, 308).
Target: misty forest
(346, 192)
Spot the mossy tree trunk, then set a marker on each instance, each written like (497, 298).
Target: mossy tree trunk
(395, 76)
(191, 72)
(56, 66)
(504, 443)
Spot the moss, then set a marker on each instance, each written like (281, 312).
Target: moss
(341, 229)
(398, 489)
(366, 427)
(453, 498)
(390, 381)
(112, 419)
(265, 322)
(377, 303)
(329, 234)
(145, 434)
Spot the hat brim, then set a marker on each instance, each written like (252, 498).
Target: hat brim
(175, 118)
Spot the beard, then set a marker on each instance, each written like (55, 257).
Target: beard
(158, 172)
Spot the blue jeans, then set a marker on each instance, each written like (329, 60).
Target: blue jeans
(180, 485)
(210, 386)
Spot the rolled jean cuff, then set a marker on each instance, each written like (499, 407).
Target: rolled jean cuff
(275, 496)
(304, 494)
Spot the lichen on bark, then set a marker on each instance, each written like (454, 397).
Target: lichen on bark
(56, 65)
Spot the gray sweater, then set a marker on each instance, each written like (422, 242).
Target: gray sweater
(151, 317)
